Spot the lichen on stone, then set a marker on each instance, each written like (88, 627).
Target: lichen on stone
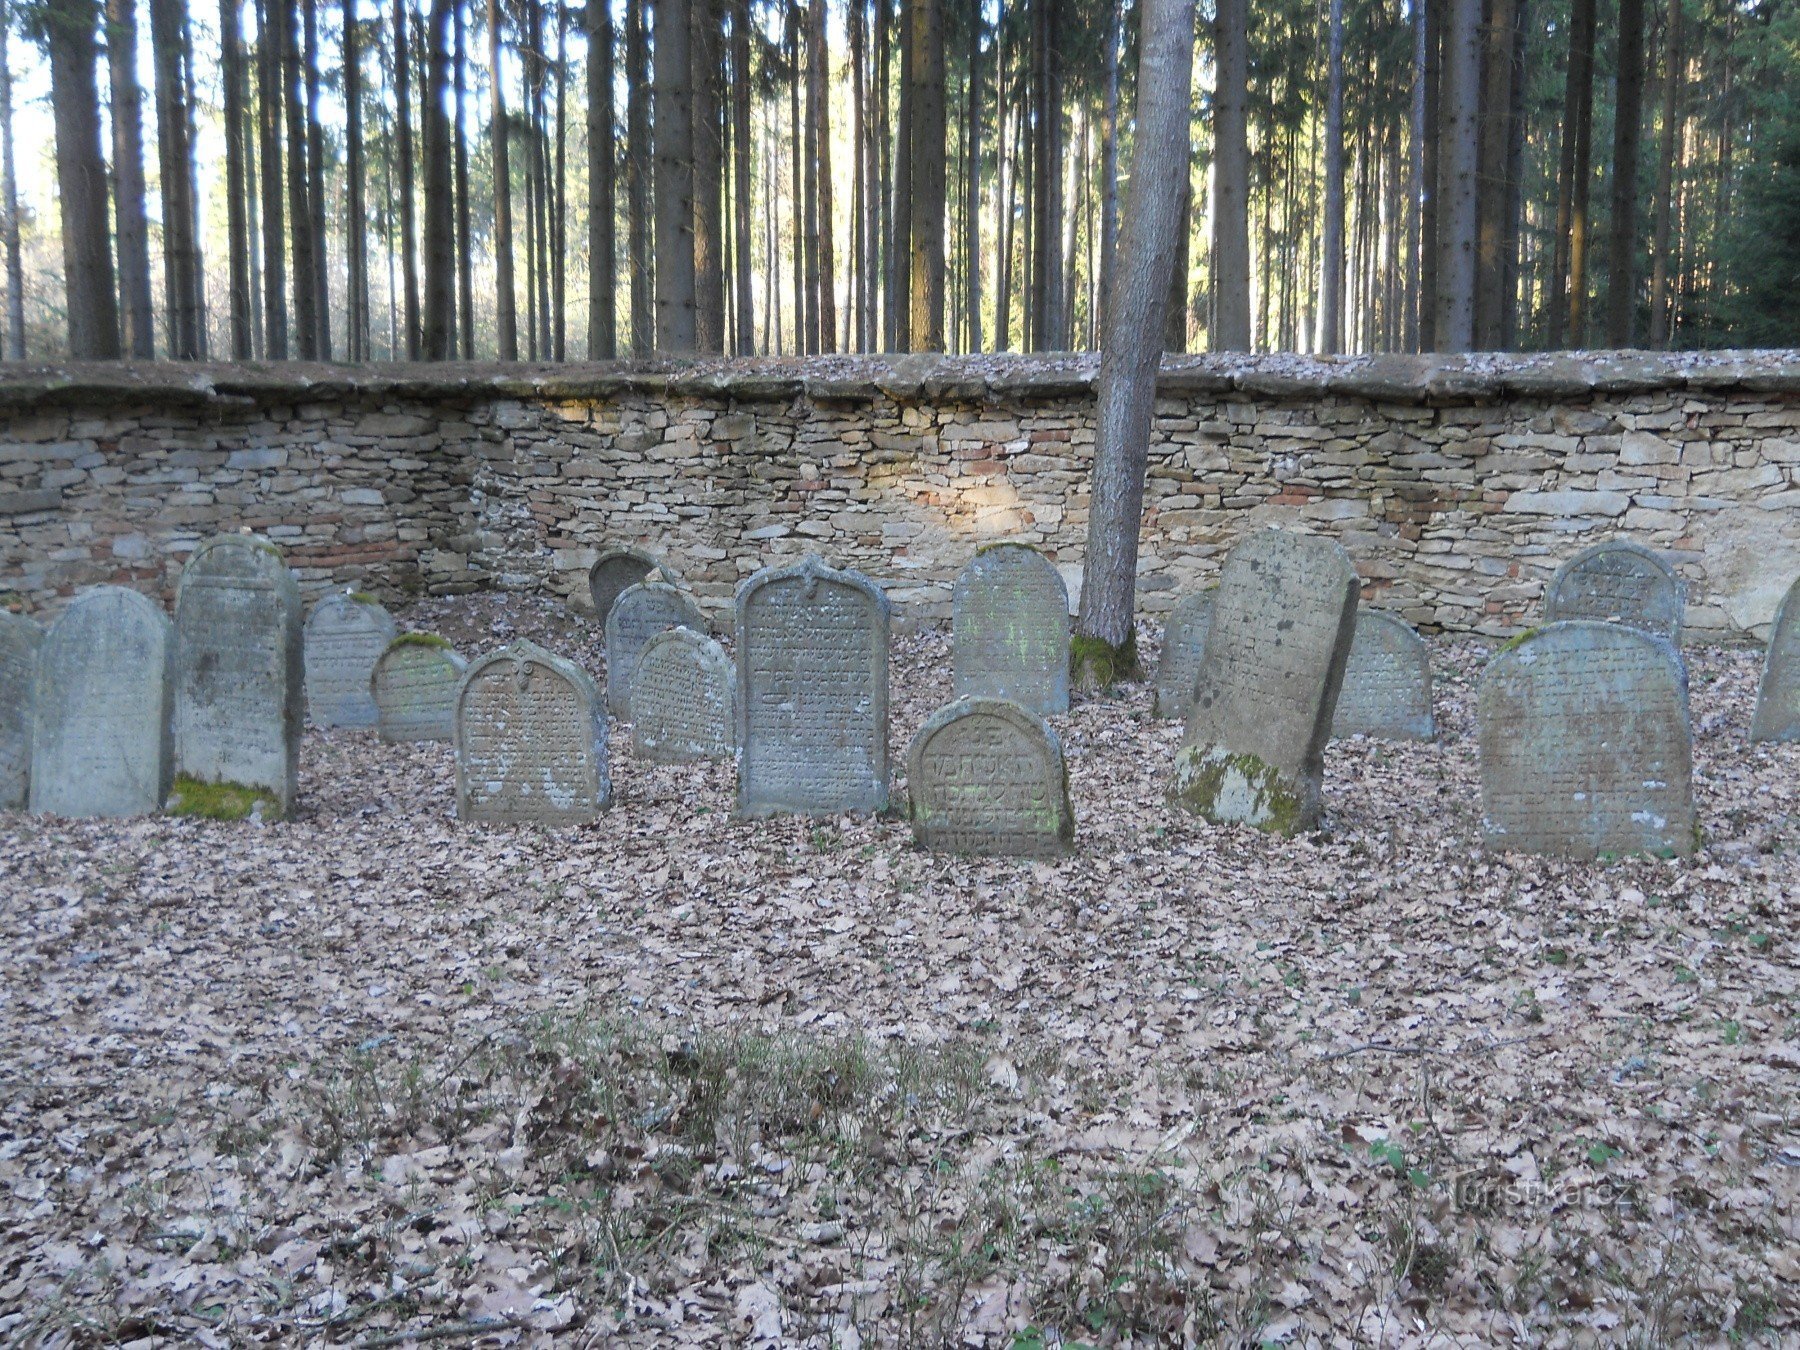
(1226, 787)
(220, 801)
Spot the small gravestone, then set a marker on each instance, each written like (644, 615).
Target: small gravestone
(1584, 744)
(345, 637)
(1777, 716)
(1283, 620)
(1184, 642)
(1618, 582)
(1387, 682)
(1010, 629)
(414, 686)
(614, 572)
(530, 741)
(100, 720)
(683, 699)
(985, 776)
(19, 639)
(812, 653)
(638, 615)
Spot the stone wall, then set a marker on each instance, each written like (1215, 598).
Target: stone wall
(1457, 485)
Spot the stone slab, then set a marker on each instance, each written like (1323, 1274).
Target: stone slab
(345, 637)
(683, 699)
(1618, 582)
(1387, 682)
(1184, 642)
(639, 614)
(19, 641)
(1777, 716)
(1009, 621)
(531, 745)
(986, 777)
(414, 686)
(614, 572)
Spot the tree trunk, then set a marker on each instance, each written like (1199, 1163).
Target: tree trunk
(1670, 151)
(93, 307)
(1514, 187)
(1109, 160)
(745, 343)
(315, 182)
(299, 202)
(807, 186)
(637, 179)
(709, 157)
(1330, 334)
(182, 278)
(603, 276)
(972, 185)
(1458, 160)
(925, 327)
(465, 257)
(1628, 134)
(356, 224)
(882, 240)
(1231, 191)
(1568, 276)
(409, 260)
(1417, 181)
(270, 103)
(506, 311)
(818, 52)
(1492, 198)
(797, 176)
(9, 203)
(438, 340)
(1046, 261)
(137, 329)
(857, 270)
(1175, 319)
(674, 140)
(1433, 16)
(559, 197)
(899, 297)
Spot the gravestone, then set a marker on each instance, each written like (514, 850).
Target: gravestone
(1777, 716)
(414, 686)
(1010, 629)
(100, 720)
(19, 639)
(638, 615)
(985, 776)
(237, 676)
(1387, 682)
(1618, 582)
(345, 637)
(530, 741)
(683, 699)
(1584, 744)
(614, 572)
(812, 653)
(1184, 642)
(1284, 615)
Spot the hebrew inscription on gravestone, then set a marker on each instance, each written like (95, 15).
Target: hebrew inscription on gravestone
(683, 700)
(1010, 629)
(530, 741)
(638, 615)
(1777, 715)
(614, 572)
(345, 637)
(19, 640)
(1387, 682)
(1184, 642)
(414, 685)
(985, 776)
(1618, 582)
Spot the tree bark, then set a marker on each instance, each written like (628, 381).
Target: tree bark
(972, 186)
(438, 339)
(1568, 277)
(1231, 191)
(709, 158)
(183, 280)
(1330, 334)
(558, 213)
(603, 275)
(899, 297)
(1492, 197)
(409, 259)
(9, 203)
(1458, 162)
(270, 103)
(465, 257)
(674, 141)
(137, 325)
(925, 326)
(315, 182)
(745, 344)
(1109, 159)
(818, 52)
(1415, 231)
(93, 307)
(506, 311)
(807, 184)
(1432, 14)
(356, 241)
(1047, 317)
(1628, 135)
(1674, 79)
(637, 179)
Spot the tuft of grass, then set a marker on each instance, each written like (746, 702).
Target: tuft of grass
(220, 801)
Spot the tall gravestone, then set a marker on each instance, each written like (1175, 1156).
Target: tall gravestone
(1010, 629)
(638, 615)
(530, 741)
(100, 720)
(238, 671)
(1584, 744)
(614, 572)
(345, 637)
(1283, 620)
(1184, 642)
(1618, 582)
(414, 685)
(985, 776)
(1777, 716)
(812, 653)
(683, 699)
(19, 640)
(1387, 682)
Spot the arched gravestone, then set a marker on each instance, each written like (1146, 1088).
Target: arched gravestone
(683, 699)
(985, 776)
(100, 724)
(1184, 642)
(1283, 619)
(530, 741)
(1618, 582)
(638, 615)
(238, 669)
(414, 686)
(19, 639)
(1584, 742)
(1010, 629)
(1387, 682)
(1777, 716)
(812, 653)
(614, 572)
(345, 637)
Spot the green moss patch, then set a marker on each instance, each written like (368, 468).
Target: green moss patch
(1095, 664)
(1518, 641)
(1236, 788)
(220, 801)
(421, 640)
(363, 598)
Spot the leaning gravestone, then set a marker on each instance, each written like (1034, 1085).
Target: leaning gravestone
(1618, 582)
(237, 678)
(1282, 624)
(1184, 642)
(1387, 682)
(683, 699)
(1777, 716)
(1584, 744)
(1010, 629)
(638, 615)
(19, 639)
(100, 724)
(530, 741)
(614, 572)
(345, 637)
(985, 776)
(812, 653)
(414, 687)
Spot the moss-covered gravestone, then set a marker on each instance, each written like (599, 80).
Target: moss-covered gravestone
(683, 699)
(985, 776)
(638, 615)
(414, 686)
(614, 572)
(1283, 620)
(1010, 629)
(1387, 682)
(1777, 715)
(19, 640)
(530, 741)
(1618, 582)
(1184, 643)
(345, 637)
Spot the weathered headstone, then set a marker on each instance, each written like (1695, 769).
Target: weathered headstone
(345, 637)
(414, 686)
(1283, 619)
(1584, 744)
(638, 615)
(100, 720)
(812, 652)
(614, 572)
(1184, 643)
(1010, 629)
(985, 776)
(19, 639)
(237, 679)
(1777, 716)
(1618, 582)
(530, 741)
(683, 699)
(1387, 682)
